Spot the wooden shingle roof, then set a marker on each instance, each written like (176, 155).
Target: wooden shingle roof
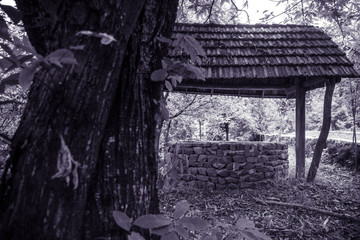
(264, 60)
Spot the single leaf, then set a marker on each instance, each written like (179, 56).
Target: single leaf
(243, 223)
(168, 86)
(161, 230)
(163, 64)
(150, 221)
(181, 231)
(4, 30)
(122, 220)
(164, 40)
(61, 56)
(26, 76)
(253, 234)
(14, 14)
(25, 58)
(181, 208)
(158, 75)
(164, 112)
(209, 237)
(7, 49)
(5, 63)
(173, 81)
(25, 45)
(14, 64)
(106, 39)
(135, 236)
(194, 223)
(13, 79)
(170, 236)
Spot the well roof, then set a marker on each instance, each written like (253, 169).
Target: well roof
(264, 60)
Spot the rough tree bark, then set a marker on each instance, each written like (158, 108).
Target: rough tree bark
(321, 142)
(76, 104)
(127, 167)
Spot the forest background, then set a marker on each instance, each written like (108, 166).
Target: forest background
(203, 117)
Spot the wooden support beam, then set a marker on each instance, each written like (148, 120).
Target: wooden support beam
(300, 129)
(321, 142)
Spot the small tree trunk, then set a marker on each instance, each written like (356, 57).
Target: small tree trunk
(300, 130)
(353, 93)
(321, 142)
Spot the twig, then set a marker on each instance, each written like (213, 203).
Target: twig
(4, 138)
(241, 10)
(323, 211)
(210, 11)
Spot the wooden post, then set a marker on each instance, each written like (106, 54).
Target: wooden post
(300, 129)
(321, 142)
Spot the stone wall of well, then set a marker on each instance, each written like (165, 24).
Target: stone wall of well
(230, 165)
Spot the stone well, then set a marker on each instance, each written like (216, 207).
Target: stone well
(230, 165)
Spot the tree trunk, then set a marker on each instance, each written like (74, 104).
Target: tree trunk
(353, 94)
(76, 103)
(321, 142)
(300, 130)
(127, 167)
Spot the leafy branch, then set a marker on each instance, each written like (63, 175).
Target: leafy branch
(182, 226)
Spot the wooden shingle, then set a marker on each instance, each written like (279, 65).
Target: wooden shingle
(279, 54)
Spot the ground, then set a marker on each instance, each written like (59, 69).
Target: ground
(336, 189)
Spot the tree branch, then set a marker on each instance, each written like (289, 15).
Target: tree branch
(241, 10)
(4, 138)
(182, 110)
(210, 11)
(323, 211)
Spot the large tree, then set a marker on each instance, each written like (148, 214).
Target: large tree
(86, 142)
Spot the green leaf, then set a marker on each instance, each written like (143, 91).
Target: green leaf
(161, 230)
(11, 80)
(182, 231)
(194, 223)
(4, 30)
(7, 49)
(243, 223)
(253, 234)
(195, 45)
(25, 58)
(158, 75)
(14, 14)
(164, 40)
(170, 236)
(61, 56)
(5, 63)
(135, 236)
(164, 112)
(209, 237)
(106, 39)
(26, 76)
(173, 81)
(181, 208)
(150, 221)
(168, 86)
(122, 220)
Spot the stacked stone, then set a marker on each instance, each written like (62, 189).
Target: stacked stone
(231, 165)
